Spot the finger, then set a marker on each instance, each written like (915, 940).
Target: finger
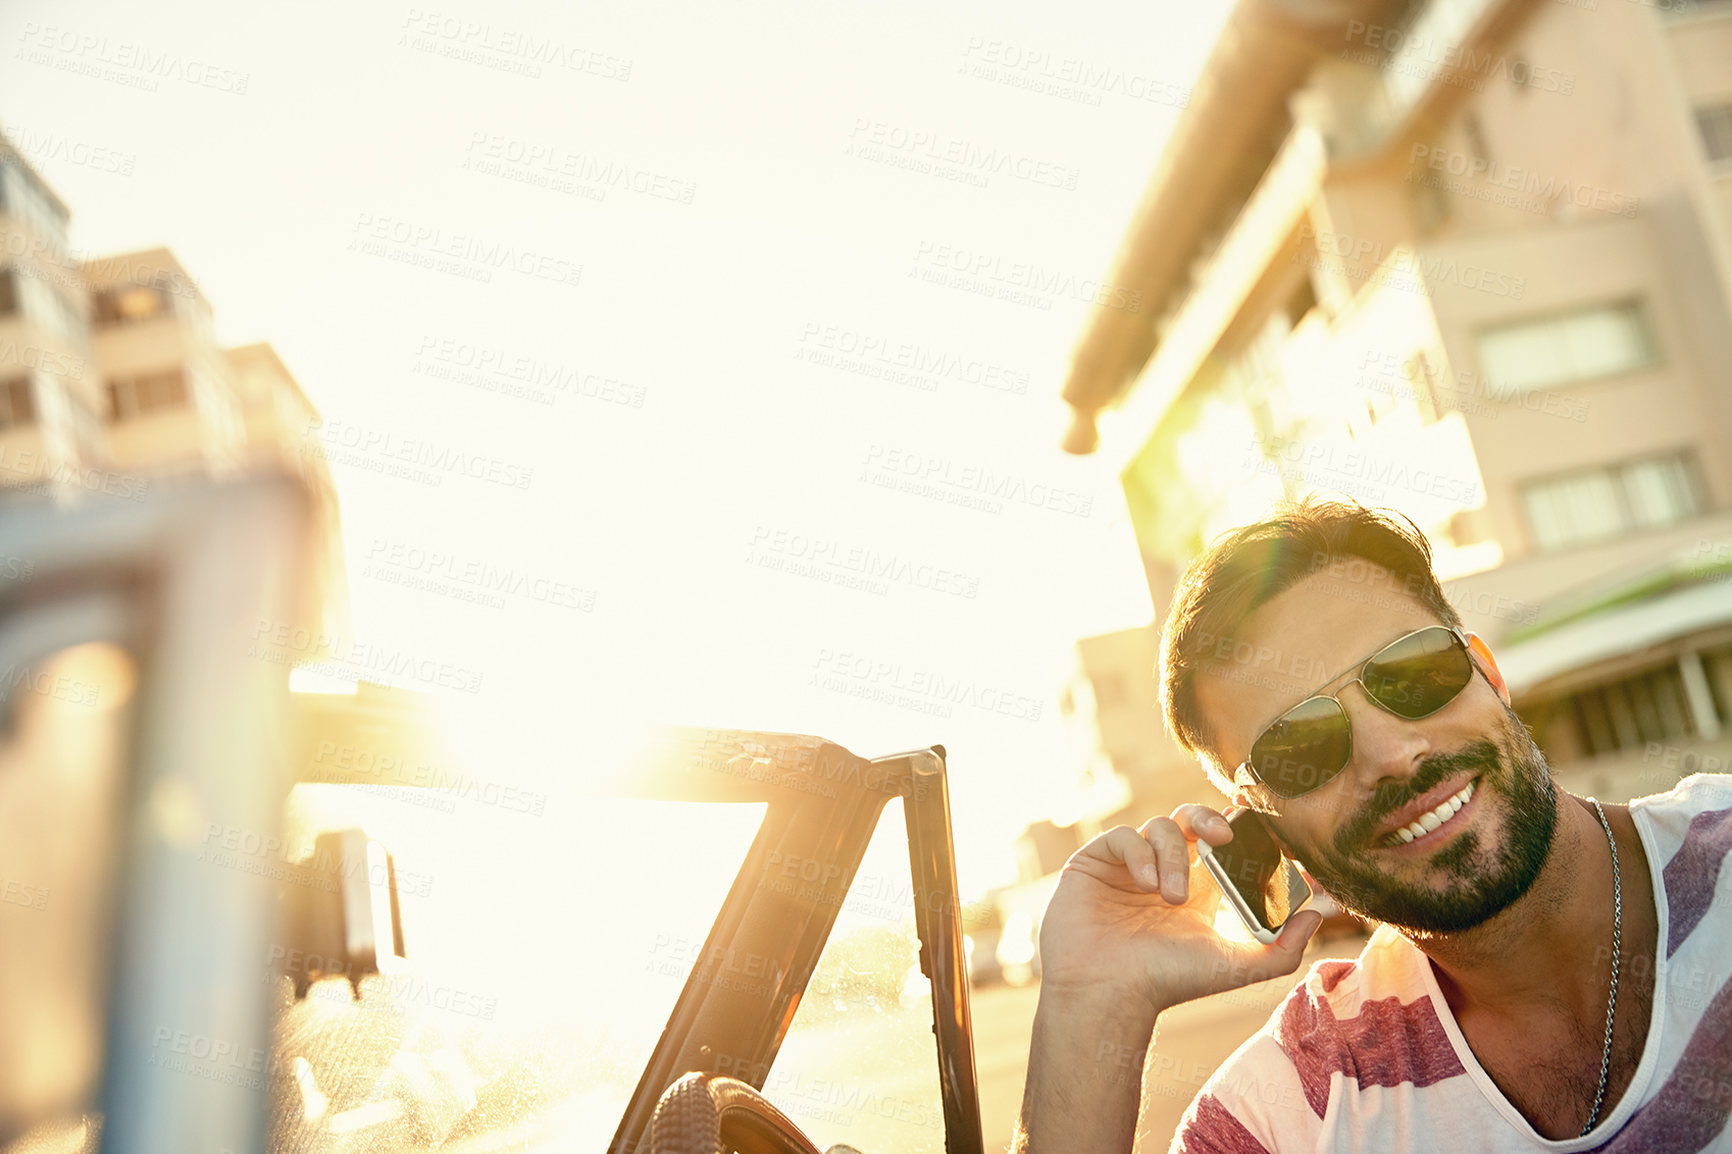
(1172, 854)
(1296, 935)
(1199, 821)
(1126, 846)
(1259, 963)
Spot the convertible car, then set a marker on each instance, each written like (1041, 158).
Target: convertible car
(747, 941)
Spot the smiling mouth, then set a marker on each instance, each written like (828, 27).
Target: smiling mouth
(1431, 821)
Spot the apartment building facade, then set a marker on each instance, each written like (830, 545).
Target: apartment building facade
(112, 381)
(50, 391)
(1471, 260)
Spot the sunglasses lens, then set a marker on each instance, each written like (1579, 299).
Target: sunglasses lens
(1305, 748)
(1420, 674)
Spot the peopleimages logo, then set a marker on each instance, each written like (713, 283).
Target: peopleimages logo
(512, 372)
(1367, 253)
(60, 364)
(507, 49)
(1455, 390)
(463, 254)
(468, 578)
(282, 643)
(1018, 281)
(1068, 77)
(342, 442)
(922, 366)
(1360, 474)
(844, 564)
(497, 154)
(883, 141)
(1427, 55)
(71, 267)
(924, 690)
(966, 484)
(38, 472)
(1520, 180)
(42, 146)
(122, 61)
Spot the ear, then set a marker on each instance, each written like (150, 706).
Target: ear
(1237, 785)
(1247, 795)
(1481, 654)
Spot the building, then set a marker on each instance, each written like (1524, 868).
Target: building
(50, 390)
(1130, 768)
(1470, 259)
(170, 405)
(112, 381)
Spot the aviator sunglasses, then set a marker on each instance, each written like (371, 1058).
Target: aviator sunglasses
(1412, 677)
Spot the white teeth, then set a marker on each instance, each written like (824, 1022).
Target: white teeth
(1430, 821)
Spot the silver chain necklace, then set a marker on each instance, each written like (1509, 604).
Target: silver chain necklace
(1617, 944)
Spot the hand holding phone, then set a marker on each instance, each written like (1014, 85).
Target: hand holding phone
(1263, 886)
(1130, 918)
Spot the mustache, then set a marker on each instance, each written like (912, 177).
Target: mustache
(1474, 758)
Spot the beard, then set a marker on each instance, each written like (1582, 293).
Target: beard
(1468, 881)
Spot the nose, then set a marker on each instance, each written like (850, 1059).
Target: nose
(1386, 748)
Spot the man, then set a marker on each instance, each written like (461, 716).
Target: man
(1314, 665)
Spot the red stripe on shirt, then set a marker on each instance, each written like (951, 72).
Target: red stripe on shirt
(1385, 1044)
(1210, 1128)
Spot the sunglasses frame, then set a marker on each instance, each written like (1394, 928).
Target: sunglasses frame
(1245, 770)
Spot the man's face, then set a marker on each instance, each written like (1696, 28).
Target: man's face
(1313, 637)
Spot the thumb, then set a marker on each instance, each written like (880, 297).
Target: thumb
(1296, 935)
(1258, 963)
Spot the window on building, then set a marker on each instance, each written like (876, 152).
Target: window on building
(1628, 713)
(30, 203)
(1660, 491)
(1559, 350)
(1717, 671)
(1598, 504)
(129, 303)
(136, 395)
(46, 306)
(1431, 206)
(17, 402)
(86, 428)
(1715, 123)
(1473, 132)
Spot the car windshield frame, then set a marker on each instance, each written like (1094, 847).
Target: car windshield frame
(823, 804)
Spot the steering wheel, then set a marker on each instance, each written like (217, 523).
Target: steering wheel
(710, 1113)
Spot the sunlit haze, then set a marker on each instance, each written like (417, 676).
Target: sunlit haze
(736, 191)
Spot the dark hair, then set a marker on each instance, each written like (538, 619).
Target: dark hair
(1250, 566)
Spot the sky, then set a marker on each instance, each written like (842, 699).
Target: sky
(721, 307)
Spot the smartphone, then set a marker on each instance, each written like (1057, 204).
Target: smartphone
(1262, 885)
